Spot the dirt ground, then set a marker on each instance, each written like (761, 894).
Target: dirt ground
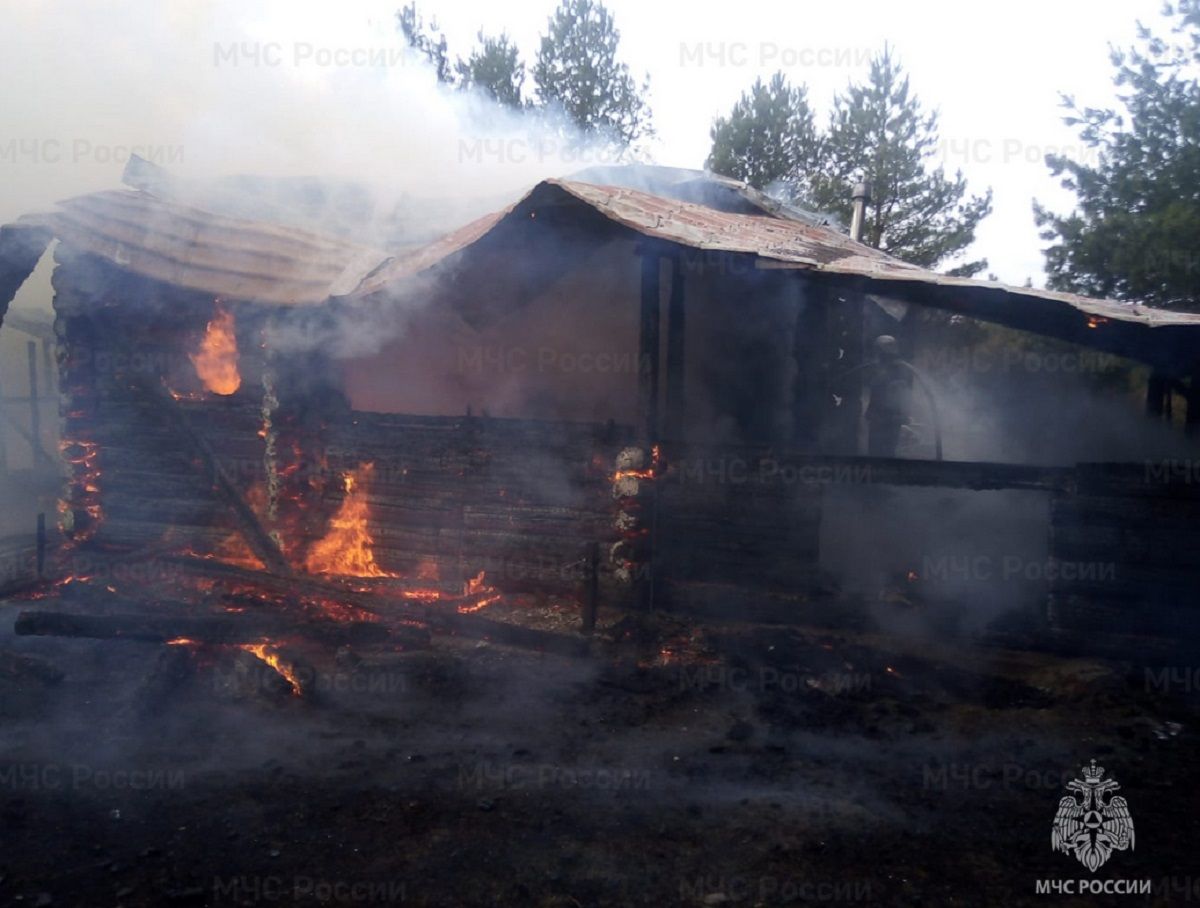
(681, 764)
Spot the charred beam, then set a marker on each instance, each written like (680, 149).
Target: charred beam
(256, 537)
(648, 345)
(215, 629)
(316, 587)
(442, 614)
(676, 334)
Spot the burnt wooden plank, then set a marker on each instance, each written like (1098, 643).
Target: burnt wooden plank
(217, 629)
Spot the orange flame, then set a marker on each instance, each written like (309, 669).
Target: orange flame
(216, 361)
(272, 659)
(474, 587)
(347, 547)
(83, 496)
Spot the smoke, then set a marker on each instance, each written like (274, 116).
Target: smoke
(1035, 401)
(275, 88)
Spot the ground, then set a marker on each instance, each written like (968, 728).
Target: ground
(681, 764)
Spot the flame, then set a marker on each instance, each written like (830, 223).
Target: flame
(650, 472)
(479, 606)
(475, 584)
(183, 641)
(634, 474)
(474, 587)
(83, 494)
(263, 652)
(347, 547)
(216, 361)
(422, 595)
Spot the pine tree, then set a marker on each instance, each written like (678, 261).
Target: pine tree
(879, 132)
(1135, 231)
(495, 68)
(577, 73)
(427, 41)
(768, 138)
(577, 76)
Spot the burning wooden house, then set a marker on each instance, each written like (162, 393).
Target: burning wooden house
(642, 398)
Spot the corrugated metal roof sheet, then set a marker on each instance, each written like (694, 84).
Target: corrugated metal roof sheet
(269, 263)
(228, 257)
(777, 242)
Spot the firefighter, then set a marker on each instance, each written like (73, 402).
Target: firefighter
(889, 387)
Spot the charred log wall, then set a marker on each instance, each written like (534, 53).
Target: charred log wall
(1125, 563)
(734, 524)
(447, 497)
(518, 499)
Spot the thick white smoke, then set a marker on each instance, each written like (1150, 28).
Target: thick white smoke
(273, 88)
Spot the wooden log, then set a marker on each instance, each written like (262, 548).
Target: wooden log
(210, 629)
(441, 615)
(380, 590)
(263, 545)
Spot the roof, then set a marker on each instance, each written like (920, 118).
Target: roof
(251, 260)
(702, 187)
(188, 247)
(790, 244)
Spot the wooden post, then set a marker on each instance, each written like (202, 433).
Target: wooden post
(1157, 389)
(648, 363)
(48, 365)
(35, 412)
(591, 587)
(41, 545)
(648, 344)
(676, 333)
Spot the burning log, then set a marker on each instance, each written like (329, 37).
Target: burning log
(252, 672)
(634, 487)
(259, 540)
(367, 593)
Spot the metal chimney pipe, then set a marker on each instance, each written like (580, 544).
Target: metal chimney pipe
(861, 196)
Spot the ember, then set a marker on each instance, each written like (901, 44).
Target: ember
(80, 512)
(216, 361)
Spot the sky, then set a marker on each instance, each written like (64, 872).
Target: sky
(291, 87)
